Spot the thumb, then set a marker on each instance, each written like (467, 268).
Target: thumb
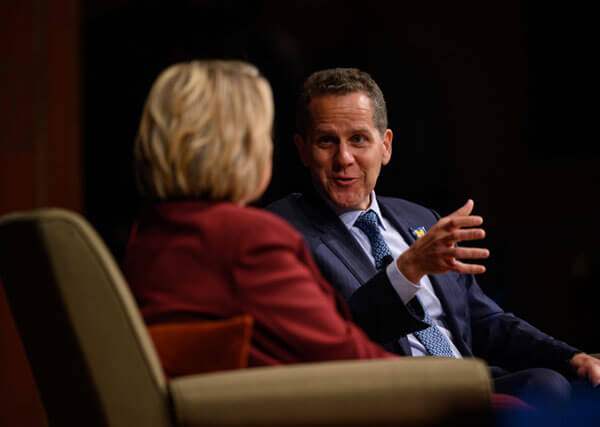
(464, 210)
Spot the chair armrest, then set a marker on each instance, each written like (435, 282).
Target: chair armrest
(408, 391)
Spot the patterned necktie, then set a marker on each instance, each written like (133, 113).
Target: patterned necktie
(367, 222)
(432, 338)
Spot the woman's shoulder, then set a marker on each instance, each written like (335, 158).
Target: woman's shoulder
(256, 220)
(252, 230)
(228, 221)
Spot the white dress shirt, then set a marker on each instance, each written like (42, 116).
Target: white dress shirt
(404, 287)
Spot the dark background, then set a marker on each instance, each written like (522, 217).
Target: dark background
(496, 101)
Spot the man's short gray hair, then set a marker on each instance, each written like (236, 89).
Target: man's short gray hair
(340, 81)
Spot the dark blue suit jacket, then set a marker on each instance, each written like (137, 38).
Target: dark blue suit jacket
(479, 326)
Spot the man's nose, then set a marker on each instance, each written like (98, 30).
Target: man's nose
(344, 155)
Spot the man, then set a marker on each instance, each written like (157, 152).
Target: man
(397, 263)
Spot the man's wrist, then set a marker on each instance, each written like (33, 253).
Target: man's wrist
(405, 289)
(407, 266)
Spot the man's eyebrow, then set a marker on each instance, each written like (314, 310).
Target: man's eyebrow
(321, 131)
(327, 130)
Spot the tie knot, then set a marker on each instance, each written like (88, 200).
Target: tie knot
(367, 222)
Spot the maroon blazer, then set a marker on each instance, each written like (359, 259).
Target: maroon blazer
(197, 260)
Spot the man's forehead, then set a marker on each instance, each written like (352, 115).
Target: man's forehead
(350, 111)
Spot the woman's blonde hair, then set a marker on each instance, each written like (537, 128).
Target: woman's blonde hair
(205, 132)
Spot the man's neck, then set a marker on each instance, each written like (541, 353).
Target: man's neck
(348, 215)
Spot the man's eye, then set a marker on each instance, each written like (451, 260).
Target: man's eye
(324, 140)
(359, 138)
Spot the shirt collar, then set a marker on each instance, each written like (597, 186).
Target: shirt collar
(349, 216)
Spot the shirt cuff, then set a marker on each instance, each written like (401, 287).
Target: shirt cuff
(405, 289)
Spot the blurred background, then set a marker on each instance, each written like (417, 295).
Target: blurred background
(495, 101)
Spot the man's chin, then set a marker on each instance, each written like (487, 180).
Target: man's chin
(345, 202)
(346, 198)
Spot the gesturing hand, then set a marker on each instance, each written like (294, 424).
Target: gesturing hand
(436, 252)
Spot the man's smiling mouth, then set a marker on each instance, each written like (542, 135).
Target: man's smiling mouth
(344, 181)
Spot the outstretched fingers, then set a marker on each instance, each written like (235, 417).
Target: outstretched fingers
(464, 210)
(466, 235)
(451, 223)
(437, 252)
(471, 253)
(464, 268)
(457, 253)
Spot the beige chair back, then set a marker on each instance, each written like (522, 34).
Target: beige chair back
(88, 347)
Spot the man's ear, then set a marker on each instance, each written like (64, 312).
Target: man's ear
(301, 145)
(387, 146)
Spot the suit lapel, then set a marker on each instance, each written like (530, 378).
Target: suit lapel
(398, 221)
(351, 254)
(335, 235)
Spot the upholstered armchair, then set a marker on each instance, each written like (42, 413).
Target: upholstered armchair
(95, 364)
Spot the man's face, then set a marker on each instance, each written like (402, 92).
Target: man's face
(343, 149)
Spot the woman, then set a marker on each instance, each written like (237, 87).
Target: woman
(203, 151)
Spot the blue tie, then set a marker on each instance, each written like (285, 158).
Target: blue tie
(432, 338)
